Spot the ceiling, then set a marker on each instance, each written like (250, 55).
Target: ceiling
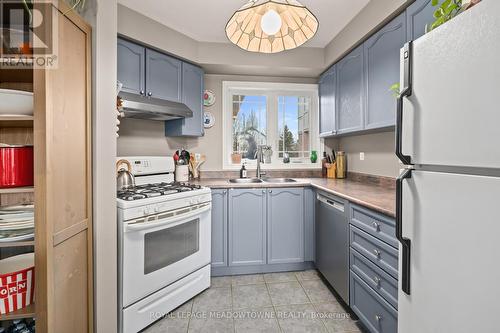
(205, 21)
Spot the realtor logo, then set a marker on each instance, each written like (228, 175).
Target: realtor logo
(28, 34)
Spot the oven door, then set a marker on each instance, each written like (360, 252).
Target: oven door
(161, 249)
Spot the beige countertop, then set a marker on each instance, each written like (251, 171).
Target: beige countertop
(374, 196)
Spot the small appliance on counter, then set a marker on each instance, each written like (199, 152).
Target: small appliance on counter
(164, 237)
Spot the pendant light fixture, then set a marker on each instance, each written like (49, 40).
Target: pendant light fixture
(271, 26)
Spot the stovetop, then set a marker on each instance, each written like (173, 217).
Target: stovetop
(155, 190)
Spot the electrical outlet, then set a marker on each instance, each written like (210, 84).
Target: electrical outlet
(361, 156)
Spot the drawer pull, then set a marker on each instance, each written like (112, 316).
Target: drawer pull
(378, 318)
(377, 253)
(376, 279)
(376, 226)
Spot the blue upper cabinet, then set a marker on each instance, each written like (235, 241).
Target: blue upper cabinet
(163, 76)
(418, 15)
(192, 96)
(381, 56)
(153, 74)
(130, 58)
(327, 85)
(350, 92)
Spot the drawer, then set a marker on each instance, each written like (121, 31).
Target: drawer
(380, 226)
(384, 284)
(378, 252)
(373, 311)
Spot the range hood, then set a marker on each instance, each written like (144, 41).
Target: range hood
(140, 107)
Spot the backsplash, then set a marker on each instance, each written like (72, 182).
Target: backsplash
(378, 149)
(269, 173)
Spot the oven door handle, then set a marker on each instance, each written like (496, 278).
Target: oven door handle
(171, 220)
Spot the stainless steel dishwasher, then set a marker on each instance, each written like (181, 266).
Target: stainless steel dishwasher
(332, 242)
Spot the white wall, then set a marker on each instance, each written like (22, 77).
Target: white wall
(103, 17)
(145, 137)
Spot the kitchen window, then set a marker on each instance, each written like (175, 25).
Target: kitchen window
(283, 116)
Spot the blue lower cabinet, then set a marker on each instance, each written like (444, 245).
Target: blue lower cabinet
(373, 311)
(247, 227)
(377, 225)
(384, 284)
(381, 254)
(309, 224)
(285, 225)
(219, 228)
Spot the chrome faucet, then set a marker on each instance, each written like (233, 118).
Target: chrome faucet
(260, 158)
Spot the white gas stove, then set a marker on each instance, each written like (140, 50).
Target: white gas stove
(164, 231)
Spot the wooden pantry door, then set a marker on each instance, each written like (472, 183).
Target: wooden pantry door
(63, 192)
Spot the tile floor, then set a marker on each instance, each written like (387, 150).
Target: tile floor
(276, 302)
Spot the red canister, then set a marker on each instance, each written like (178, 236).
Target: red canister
(16, 166)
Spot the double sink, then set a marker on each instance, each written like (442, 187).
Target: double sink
(259, 180)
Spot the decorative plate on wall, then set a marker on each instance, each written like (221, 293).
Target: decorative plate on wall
(208, 119)
(208, 98)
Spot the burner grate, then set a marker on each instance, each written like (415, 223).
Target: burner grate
(155, 190)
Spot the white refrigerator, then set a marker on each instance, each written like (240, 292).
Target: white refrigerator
(448, 197)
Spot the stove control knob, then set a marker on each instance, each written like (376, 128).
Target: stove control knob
(145, 211)
(156, 209)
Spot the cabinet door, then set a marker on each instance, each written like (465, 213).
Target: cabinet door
(381, 56)
(247, 227)
(192, 96)
(418, 16)
(309, 224)
(163, 76)
(131, 67)
(327, 102)
(219, 228)
(350, 92)
(285, 227)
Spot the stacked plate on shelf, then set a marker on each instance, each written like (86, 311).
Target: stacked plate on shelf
(17, 223)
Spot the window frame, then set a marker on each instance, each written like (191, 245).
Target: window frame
(272, 91)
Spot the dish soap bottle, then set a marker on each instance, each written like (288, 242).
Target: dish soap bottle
(243, 171)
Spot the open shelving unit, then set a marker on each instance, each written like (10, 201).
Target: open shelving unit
(27, 312)
(17, 130)
(16, 121)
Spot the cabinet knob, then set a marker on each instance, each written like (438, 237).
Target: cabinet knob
(150, 94)
(378, 318)
(270, 191)
(377, 253)
(141, 92)
(376, 226)
(264, 191)
(224, 192)
(376, 279)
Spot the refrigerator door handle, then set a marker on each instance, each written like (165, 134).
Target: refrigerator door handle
(406, 91)
(405, 242)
